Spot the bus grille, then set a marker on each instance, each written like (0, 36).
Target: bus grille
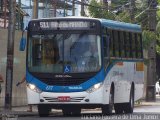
(64, 81)
(73, 99)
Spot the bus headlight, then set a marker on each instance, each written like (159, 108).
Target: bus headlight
(95, 87)
(33, 88)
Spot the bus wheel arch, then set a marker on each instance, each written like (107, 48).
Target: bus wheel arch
(107, 108)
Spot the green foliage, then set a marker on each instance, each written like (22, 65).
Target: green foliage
(97, 10)
(158, 37)
(158, 15)
(141, 4)
(124, 16)
(118, 3)
(158, 11)
(158, 49)
(158, 27)
(148, 36)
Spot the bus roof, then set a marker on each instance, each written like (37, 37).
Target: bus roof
(121, 25)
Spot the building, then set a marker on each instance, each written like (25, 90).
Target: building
(4, 15)
(49, 8)
(45, 9)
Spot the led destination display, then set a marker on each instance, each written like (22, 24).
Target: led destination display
(62, 25)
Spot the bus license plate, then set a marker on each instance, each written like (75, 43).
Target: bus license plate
(64, 98)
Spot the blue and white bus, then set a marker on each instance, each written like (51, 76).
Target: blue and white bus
(61, 74)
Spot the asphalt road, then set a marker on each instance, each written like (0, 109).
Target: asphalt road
(144, 111)
(147, 112)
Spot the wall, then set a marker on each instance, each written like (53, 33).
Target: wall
(19, 93)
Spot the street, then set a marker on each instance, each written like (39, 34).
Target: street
(147, 112)
(143, 111)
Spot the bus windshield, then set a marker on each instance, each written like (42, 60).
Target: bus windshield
(64, 53)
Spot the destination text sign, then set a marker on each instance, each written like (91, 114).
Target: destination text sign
(47, 25)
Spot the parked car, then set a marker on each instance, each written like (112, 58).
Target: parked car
(157, 88)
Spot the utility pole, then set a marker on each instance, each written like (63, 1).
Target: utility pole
(151, 68)
(82, 8)
(10, 55)
(132, 10)
(55, 7)
(35, 9)
(64, 8)
(5, 13)
(73, 7)
(105, 5)
(19, 19)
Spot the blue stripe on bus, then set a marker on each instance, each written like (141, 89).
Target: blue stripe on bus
(76, 88)
(100, 76)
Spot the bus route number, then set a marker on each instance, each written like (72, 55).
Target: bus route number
(49, 88)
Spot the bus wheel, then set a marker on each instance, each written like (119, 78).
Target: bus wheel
(43, 110)
(107, 109)
(130, 106)
(118, 108)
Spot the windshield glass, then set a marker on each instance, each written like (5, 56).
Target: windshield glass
(64, 53)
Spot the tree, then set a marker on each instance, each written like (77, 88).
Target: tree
(98, 10)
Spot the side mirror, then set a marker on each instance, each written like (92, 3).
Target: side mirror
(23, 41)
(22, 44)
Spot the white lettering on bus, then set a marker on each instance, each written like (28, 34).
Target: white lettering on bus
(44, 24)
(75, 87)
(64, 24)
(49, 88)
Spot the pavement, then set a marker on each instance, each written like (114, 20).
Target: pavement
(21, 111)
(143, 102)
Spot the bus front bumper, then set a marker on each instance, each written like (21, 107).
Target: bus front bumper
(84, 97)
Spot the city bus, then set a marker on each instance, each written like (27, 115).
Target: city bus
(62, 74)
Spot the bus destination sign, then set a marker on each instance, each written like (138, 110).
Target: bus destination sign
(64, 25)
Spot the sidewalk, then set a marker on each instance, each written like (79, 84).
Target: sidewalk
(149, 103)
(19, 111)
(22, 110)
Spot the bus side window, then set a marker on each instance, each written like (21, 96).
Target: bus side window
(106, 45)
(122, 42)
(130, 45)
(111, 46)
(106, 50)
(127, 45)
(134, 45)
(139, 46)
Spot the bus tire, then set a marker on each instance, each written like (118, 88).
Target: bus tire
(118, 108)
(130, 106)
(107, 109)
(43, 110)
